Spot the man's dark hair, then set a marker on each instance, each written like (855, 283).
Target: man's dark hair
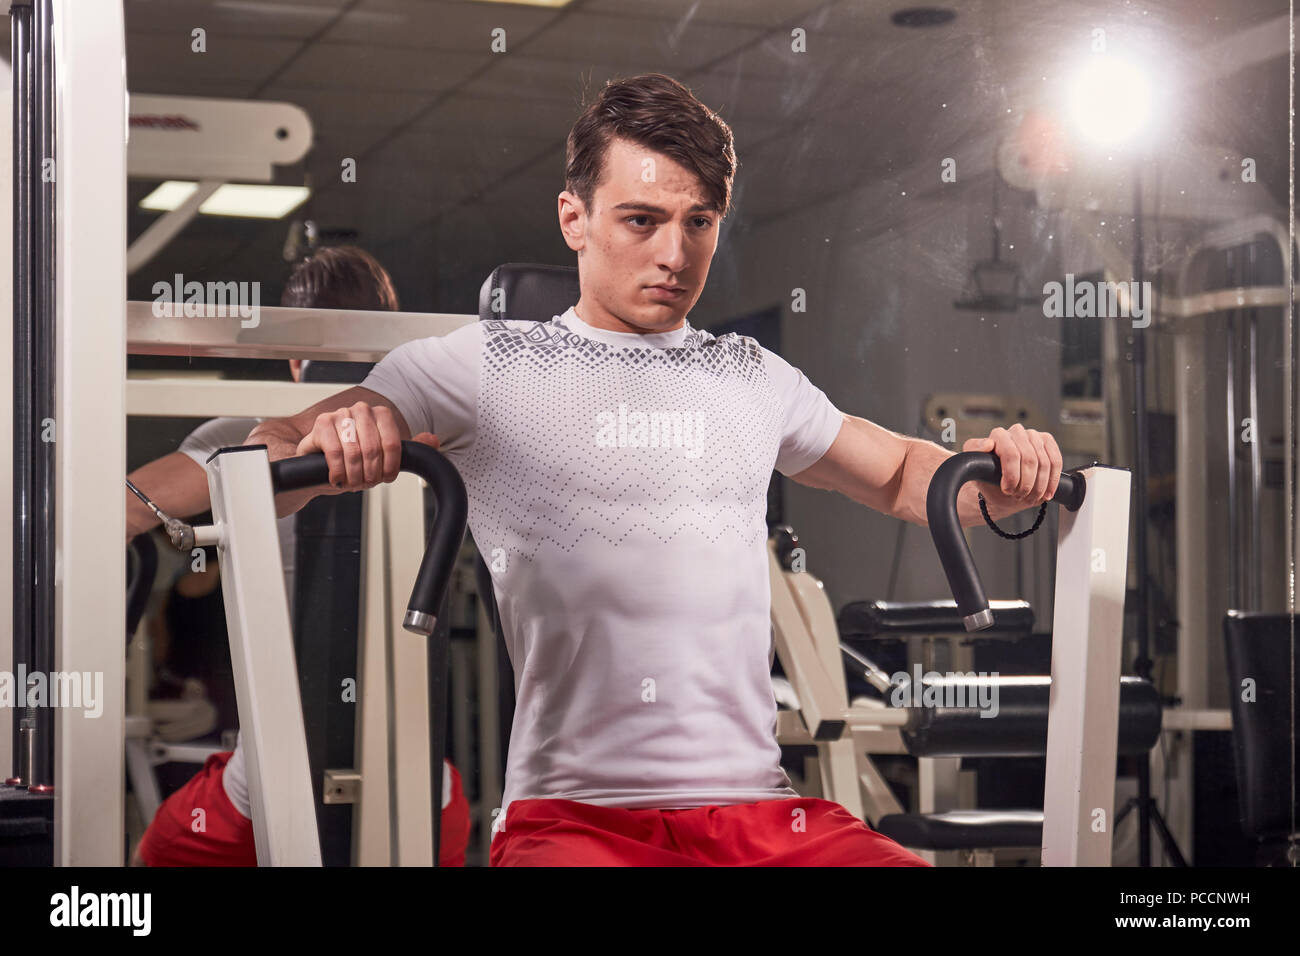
(340, 277)
(657, 112)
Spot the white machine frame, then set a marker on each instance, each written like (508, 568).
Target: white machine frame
(1083, 713)
(90, 94)
(261, 653)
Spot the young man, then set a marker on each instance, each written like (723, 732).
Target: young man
(617, 461)
(343, 277)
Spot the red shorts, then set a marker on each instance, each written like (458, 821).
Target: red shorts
(222, 836)
(801, 831)
(455, 823)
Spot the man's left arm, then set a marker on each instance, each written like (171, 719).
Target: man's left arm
(891, 473)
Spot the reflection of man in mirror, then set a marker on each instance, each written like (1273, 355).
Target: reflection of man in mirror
(1040, 145)
(342, 277)
(634, 592)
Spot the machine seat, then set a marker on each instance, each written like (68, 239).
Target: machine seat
(964, 829)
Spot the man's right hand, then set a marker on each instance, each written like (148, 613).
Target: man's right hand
(362, 445)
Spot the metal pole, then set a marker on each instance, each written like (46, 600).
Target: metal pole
(20, 15)
(1230, 400)
(43, 274)
(1254, 575)
(1140, 505)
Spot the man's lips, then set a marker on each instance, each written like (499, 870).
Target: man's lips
(661, 292)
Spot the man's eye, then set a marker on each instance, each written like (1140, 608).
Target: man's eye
(704, 222)
(630, 218)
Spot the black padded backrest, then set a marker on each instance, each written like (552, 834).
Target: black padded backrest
(343, 373)
(524, 290)
(1260, 649)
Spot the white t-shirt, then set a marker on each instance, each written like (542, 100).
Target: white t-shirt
(618, 492)
(199, 445)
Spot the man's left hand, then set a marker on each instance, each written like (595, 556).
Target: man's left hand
(1031, 462)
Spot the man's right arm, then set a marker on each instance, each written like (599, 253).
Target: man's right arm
(360, 433)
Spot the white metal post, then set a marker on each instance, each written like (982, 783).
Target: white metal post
(90, 449)
(371, 840)
(394, 823)
(261, 650)
(821, 703)
(837, 759)
(409, 723)
(489, 729)
(1087, 638)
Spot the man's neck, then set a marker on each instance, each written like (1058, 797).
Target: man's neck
(599, 318)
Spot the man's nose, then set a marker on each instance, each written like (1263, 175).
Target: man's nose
(671, 248)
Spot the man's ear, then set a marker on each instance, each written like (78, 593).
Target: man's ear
(573, 220)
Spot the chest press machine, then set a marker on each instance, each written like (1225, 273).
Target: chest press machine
(1080, 717)
(243, 483)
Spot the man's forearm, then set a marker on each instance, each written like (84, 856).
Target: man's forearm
(175, 483)
(919, 465)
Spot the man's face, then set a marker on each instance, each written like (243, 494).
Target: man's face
(649, 225)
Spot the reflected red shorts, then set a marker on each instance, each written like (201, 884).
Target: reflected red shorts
(455, 823)
(225, 836)
(801, 831)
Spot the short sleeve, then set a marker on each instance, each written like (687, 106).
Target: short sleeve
(810, 422)
(218, 433)
(434, 383)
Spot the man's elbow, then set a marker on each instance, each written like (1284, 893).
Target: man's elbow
(904, 509)
(268, 426)
(908, 499)
(281, 436)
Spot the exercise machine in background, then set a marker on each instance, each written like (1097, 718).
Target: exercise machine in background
(1079, 717)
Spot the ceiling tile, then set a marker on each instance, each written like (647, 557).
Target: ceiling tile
(765, 14)
(524, 77)
(165, 62)
(464, 112)
(221, 88)
(244, 18)
(379, 69)
(433, 25)
(358, 106)
(642, 43)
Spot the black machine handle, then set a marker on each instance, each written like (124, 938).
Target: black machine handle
(440, 554)
(946, 530)
(445, 539)
(141, 568)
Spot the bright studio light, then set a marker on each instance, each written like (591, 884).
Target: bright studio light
(1110, 99)
(247, 201)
